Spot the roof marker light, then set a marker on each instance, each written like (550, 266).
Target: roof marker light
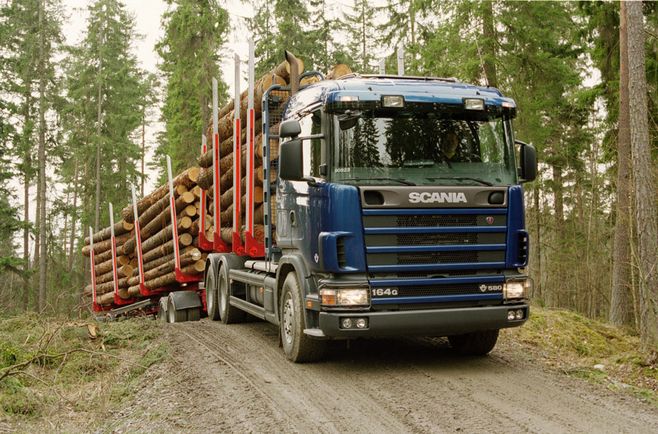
(393, 101)
(473, 104)
(348, 98)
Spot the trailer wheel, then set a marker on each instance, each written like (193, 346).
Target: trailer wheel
(297, 346)
(162, 310)
(474, 344)
(193, 314)
(228, 314)
(174, 315)
(211, 294)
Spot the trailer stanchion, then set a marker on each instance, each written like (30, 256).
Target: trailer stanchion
(238, 248)
(143, 290)
(252, 247)
(219, 244)
(204, 243)
(180, 276)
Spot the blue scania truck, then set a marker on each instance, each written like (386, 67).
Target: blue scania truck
(395, 209)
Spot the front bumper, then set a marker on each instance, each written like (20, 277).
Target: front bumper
(435, 322)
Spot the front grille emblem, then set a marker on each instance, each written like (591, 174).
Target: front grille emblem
(490, 220)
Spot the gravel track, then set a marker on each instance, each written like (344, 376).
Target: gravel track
(235, 379)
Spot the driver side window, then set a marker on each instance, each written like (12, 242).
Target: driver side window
(312, 124)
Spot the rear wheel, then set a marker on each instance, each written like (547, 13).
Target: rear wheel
(297, 346)
(474, 344)
(175, 315)
(211, 294)
(162, 310)
(228, 314)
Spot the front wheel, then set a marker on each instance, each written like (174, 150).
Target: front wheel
(474, 344)
(297, 346)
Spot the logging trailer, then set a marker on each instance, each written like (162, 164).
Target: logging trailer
(399, 212)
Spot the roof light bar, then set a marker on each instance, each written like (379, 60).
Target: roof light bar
(473, 104)
(393, 101)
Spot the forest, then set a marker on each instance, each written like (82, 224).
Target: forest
(584, 76)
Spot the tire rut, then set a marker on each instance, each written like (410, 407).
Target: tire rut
(412, 385)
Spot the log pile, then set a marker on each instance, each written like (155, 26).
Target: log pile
(155, 225)
(280, 75)
(157, 245)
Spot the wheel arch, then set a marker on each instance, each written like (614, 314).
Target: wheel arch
(288, 264)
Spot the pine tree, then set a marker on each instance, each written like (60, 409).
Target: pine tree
(644, 183)
(104, 107)
(195, 32)
(359, 25)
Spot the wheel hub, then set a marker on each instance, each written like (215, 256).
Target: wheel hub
(288, 320)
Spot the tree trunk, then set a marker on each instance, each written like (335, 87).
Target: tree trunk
(489, 44)
(74, 217)
(621, 308)
(42, 160)
(645, 207)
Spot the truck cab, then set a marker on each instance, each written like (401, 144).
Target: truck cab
(399, 212)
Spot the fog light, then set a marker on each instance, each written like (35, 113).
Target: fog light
(346, 323)
(519, 314)
(510, 315)
(361, 323)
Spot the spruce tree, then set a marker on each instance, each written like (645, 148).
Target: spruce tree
(362, 35)
(104, 97)
(195, 32)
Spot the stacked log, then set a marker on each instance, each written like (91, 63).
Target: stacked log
(156, 234)
(155, 226)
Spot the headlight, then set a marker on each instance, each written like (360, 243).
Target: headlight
(345, 297)
(517, 289)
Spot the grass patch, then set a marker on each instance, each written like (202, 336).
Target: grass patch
(50, 363)
(590, 349)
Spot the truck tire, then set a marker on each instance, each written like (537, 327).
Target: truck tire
(174, 315)
(162, 310)
(211, 294)
(227, 313)
(474, 344)
(297, 346)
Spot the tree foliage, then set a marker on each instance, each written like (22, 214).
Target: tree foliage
(195, 33)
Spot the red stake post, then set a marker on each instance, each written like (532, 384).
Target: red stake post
(204, 243)
(238, 248)
(252, 247)
(219, 244)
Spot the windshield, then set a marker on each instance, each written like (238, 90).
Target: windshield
(421, 148)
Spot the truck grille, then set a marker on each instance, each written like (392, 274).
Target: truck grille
(435, 255)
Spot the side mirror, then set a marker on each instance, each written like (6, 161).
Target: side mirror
(528, 162)
(290, 159)
(290, 129)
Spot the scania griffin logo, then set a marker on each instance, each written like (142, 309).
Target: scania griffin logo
(437, 197)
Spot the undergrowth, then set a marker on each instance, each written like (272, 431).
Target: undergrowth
(592, 350)
(61, 366)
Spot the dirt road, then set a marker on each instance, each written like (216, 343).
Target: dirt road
(236, 379)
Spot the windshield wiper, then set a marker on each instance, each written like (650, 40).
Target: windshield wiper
(462, 178)
(401, 181)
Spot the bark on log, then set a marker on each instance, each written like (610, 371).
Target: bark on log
(119, 229)
(158, 222)
(338, 71)
(190, 256)
(104, 245)
(104, 288)
(166, 234)
(103, 267)
(184, 240)
(187, 178)
(226, 146)
(102, 257)
(170, 278)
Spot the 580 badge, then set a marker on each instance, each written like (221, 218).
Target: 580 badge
(384, 292)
